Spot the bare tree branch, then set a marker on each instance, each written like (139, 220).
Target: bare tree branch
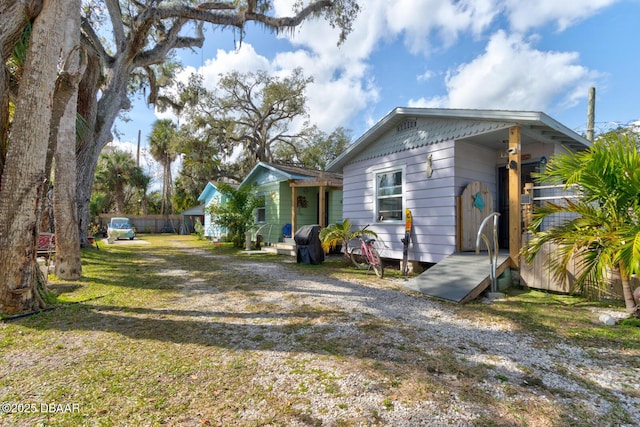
(113, 6)
(92, 39)
(218, 5)
(239, 19)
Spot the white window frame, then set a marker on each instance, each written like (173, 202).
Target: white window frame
(376, 215)
(263, 208)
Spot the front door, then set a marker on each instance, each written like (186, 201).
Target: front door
(476, 203)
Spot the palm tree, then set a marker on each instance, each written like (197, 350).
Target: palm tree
(604, 233)
(340, 234)
(236, 213)
(163, 143)
(115, 172)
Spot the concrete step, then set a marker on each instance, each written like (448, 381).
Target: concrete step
(281, 248)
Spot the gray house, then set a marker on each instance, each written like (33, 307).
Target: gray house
(451, 168)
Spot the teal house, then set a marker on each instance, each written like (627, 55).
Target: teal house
(291, 197)
(210, 196)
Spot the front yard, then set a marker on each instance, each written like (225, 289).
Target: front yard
(181, 332)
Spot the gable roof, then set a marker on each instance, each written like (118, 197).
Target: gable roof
(209, 190)
(196, 210)
(288, 172)
(439, 125)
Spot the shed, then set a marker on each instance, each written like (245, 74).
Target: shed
(189, 218)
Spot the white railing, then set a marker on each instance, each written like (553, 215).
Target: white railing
(266, 238)
(491, 248)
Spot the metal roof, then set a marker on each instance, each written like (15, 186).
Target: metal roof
(416, 127)
(289, 172)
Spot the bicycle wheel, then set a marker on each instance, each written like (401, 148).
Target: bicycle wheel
(358, 259)
(376, 262)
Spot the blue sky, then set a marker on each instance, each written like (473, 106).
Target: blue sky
(488, 54)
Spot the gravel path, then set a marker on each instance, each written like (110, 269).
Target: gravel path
(398, 358)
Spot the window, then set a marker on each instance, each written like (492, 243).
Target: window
(389, 195)
(261, 211)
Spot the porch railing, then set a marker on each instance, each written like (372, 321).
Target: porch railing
(492, 247)
(265, 232)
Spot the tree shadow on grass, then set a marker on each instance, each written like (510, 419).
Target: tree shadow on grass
(312, 314)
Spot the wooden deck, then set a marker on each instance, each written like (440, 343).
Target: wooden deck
(461, 277)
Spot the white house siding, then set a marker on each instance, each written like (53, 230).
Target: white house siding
(431, 200)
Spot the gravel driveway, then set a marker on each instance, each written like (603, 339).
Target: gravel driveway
(369, 353)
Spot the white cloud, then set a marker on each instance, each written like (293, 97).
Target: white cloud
(512, 74)
(525, 15)
(429, 23)
(426, 76)
(243, 60)
(339, 91)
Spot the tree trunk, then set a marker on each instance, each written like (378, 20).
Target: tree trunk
(86, 146)
(106, 111)
(14, 16)
(25, 166)
(13, 19)
(68, 264)
(166, 188)
(627, 292)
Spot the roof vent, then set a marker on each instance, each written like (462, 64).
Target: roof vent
(411, 123)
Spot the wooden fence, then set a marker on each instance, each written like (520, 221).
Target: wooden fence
(538, 274)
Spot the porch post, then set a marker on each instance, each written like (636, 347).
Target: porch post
(294, 213)
(321, 208)
(515, 216)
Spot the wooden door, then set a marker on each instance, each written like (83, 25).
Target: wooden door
(476, 203)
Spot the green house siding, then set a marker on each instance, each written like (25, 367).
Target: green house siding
(335, 206)
(277, 196)
(273, 186)
(307, 206)
(270, 231)
(285, 204)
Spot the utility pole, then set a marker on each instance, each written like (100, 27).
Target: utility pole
(591, 113)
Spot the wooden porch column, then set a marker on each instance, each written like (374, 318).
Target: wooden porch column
(321, 209)
(515, 216)
(294, 213)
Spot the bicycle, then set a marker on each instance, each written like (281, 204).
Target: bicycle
(366, 256)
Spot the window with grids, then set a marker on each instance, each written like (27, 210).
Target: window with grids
(261, 211)
(389, 195)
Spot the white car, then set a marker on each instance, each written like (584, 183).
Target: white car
(120, 227)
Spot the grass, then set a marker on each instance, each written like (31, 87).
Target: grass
(172, 332)
(571, 318)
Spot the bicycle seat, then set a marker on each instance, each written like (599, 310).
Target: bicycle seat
(368, 240)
